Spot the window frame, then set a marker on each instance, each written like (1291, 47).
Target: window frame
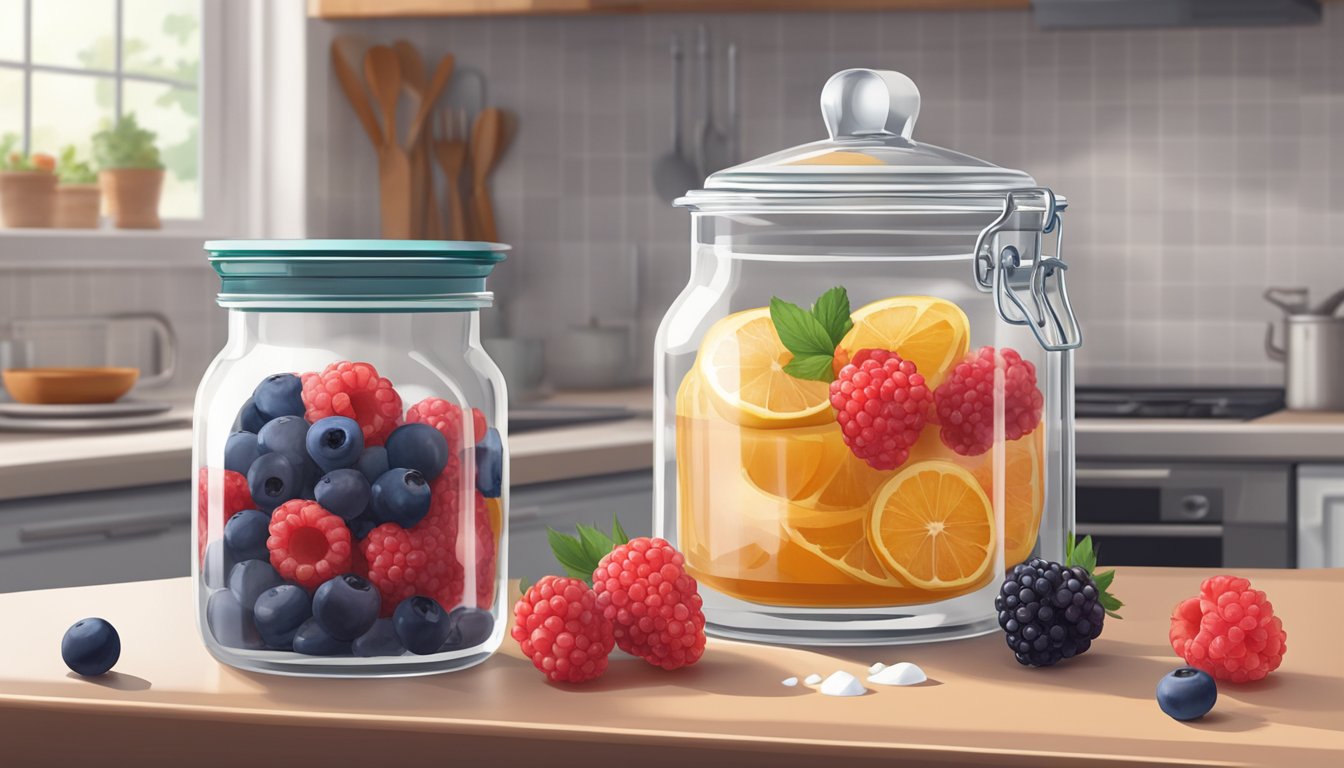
(222, 85)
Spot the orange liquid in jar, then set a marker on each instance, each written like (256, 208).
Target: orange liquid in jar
(789, 516)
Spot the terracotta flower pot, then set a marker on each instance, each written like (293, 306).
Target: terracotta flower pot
(77, 206)
(132, 196)
(27, 198)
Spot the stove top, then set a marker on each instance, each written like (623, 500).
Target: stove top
(1176, 403)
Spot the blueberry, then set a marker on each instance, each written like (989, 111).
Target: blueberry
(400, 496)
(279, 395)
(240, 450)
(217, 564)
(278, 613)
(380, 640)
(346, 606)
(250, 578)
(231, 624)
(272, 481)
(245, 536)
(373, 463)
(249, 418)
(285, 435)
(468, 627)
(1187, 693)
(334, 442)
(419, 447)
(421, 624)
(91, 647)
(490, 464)
(344, 493)
(313, 640)
(360, 526)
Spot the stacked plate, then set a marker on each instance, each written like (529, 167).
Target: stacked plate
(85, 417)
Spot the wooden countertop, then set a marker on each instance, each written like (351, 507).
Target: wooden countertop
(169, 703)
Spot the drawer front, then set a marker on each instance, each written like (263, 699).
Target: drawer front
(128, 534)
(563, 505)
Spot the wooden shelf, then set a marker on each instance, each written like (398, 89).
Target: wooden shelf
(353, 9)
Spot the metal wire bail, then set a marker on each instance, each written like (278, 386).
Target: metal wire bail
(1050, 316)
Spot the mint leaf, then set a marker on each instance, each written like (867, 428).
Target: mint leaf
(523, 586)
(832, 311)
(596, 544)
(811, 368)
(569, 553)
(1103, 580)
(801, 333)
(618, 534)
(1083, 556)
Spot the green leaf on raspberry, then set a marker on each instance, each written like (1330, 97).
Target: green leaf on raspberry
(814, 368)
(618, 533)
(832, 311)
(801, 332)
(596, 544)
(570, 555)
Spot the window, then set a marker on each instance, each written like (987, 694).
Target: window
(69, 66)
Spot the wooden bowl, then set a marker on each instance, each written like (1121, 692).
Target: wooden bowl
(49, 386)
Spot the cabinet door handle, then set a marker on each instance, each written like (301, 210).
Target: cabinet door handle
(1154, 531)
(1122, 473)
(110, 526)
(525, 516)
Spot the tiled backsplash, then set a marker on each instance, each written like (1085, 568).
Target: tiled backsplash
(1201, 165)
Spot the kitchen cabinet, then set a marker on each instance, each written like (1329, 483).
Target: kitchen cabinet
(1320, 516)
(127, 534)
(563, 505)
(344, 9)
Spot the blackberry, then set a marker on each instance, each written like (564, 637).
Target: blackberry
(1049, 612)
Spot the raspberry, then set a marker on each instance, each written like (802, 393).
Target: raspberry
(237, 497)
(447, 418)
(1229, 630)
(881, 403)
(964, 403)
(308, 544)
(653, 604)
(560, 628)
(426, 559)
(356, 391)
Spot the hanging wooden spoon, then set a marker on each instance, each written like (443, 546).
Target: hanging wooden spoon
(383, 72)
(486, 147)
(450, 149)
(424, 208)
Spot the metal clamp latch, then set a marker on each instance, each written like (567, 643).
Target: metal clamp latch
(1009, 259)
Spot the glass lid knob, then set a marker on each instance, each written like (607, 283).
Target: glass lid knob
(858, 103)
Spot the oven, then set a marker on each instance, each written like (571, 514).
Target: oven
(1223, 515)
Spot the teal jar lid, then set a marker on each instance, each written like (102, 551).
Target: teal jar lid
(354, 275)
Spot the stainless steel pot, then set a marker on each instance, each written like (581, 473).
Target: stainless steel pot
(1312, 354)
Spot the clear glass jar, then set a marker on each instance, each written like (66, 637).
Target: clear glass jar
(351, 518)
(807, 518)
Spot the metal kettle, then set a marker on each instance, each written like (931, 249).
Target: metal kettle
(1313, 349)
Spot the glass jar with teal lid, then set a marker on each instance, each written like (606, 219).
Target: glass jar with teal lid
(350, 460)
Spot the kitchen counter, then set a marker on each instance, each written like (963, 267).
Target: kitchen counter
(169, 703)
(33, 464)
(43, 464)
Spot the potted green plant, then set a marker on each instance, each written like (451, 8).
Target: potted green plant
(130, 173)
(77, 195)
(27, 186)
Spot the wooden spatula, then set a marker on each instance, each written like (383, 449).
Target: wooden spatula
(451, 151)
(354, 91)
(383, 72)
(486, 146)
(424, 220)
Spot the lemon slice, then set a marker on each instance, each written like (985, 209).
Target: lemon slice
(742, 362)
(933, 526)
(932, 333)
